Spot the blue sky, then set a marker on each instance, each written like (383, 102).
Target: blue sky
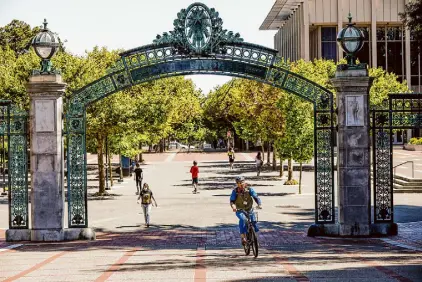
(126, 24)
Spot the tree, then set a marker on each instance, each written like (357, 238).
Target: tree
(384, 84)
(17, 35)
(412, 18)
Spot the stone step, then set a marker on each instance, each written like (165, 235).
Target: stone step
(408, 179)
(407, 183)
(406, 189)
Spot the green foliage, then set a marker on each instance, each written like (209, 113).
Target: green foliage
(384, 84)
(17, 35)
(291, 182)
(14, 74)
(412, 18)
(415, 141)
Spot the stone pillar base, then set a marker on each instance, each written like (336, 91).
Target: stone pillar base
(323, 230)
(13, 235)
(73, 234)
(384, 229)
(341, 230)
(47, 235)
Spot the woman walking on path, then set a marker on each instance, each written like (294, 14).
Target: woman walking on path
(259, 162)
(147, 197)
(231, 157)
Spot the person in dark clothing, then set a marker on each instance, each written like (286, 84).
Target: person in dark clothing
(139, 175)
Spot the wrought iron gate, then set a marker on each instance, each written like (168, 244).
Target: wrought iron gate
(219, 52)
(14, 162)
(398, 112)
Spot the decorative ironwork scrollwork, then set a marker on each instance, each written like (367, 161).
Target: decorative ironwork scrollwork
(13, 129)
(199, 45)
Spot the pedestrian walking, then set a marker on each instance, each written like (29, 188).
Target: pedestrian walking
(147, 198)
(259, 162)
(194, 170)
(230, 153)
(139, 176)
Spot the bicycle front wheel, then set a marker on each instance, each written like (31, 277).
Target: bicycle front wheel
(247, 249)
(254, 243)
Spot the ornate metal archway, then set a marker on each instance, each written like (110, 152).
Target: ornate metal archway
(199, 45)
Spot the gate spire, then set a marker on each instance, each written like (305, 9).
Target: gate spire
(198, 30)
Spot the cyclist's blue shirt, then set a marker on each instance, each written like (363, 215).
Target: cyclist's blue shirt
(252, 192)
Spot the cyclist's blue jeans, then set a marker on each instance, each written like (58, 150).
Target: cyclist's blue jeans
(243, 221)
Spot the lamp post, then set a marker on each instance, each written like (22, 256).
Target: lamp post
(350, 39)
(46, 45)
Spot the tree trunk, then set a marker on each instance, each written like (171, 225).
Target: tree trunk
(121, 168)
(162, 145)
(188, 147)
(263, 152)
(247, 145)
(290, 168)
(101, 172)
(110, 170)
(167, 145)
(274, 159)
(300, 179)
(140, 154)
(268, 152)
(281, 168)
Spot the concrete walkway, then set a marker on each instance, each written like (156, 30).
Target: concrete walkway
(195, 237)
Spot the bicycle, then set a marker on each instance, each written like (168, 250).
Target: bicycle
(251, 238)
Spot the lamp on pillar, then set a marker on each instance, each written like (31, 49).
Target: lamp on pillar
(45, 44)
(350, 39)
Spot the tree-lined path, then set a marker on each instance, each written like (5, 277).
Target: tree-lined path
(195, 237)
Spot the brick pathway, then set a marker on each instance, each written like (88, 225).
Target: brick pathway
(207, 256)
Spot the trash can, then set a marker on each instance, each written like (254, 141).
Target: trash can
(126, 166)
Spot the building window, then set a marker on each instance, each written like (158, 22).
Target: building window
(328, 43)
(364, 55)
(390, 50)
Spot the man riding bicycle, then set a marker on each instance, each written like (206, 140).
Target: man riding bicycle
(241, 199)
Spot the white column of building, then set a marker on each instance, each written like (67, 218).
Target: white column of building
(295, 33)
(340, 25)
(374, 6)
(319, 42)
(290, 38)
(305, 35)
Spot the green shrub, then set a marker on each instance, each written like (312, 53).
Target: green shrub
(415, 141)
(291, 182)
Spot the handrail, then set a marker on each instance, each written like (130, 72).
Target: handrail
(413, 167)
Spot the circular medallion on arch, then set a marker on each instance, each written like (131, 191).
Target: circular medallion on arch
(198, 27)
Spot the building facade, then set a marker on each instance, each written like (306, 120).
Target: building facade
(307, 29)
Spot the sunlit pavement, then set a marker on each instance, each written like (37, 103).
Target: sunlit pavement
(195, 237)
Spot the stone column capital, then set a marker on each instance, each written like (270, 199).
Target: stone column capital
(46, 85)
(360, 84)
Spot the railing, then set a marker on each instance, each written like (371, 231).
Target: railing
(413, 167)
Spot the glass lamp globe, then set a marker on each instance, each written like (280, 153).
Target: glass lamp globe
(45, 43)
(350, 40)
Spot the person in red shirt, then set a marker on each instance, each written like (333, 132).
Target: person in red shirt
(194, 170)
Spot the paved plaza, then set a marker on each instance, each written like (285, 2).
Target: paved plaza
(195, 237)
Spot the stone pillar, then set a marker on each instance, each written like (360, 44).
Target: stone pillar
(47, 194)
(353, 158)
